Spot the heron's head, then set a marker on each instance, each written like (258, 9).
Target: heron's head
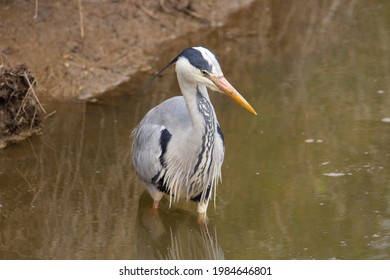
(198, 65)
(201, 66)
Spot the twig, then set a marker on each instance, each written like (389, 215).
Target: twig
(33, 119)
(146, 11)
(22, 105)
(164, 7)
(2, 54)
(33, 92)
(36, 9)
(182, 7)
(50, 115)
(81, 19)
(193, 14)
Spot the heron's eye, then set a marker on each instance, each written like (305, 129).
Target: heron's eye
(204, 72)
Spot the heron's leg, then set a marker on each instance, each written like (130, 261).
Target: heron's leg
(155, 194)
(202, 211)
(202, 218)
(154, 209)
(202, 206)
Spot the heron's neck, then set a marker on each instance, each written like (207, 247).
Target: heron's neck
(203, 130)
(199, 105)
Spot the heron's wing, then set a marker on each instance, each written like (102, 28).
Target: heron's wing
(149, 144)
(172, 114)
(151, 136)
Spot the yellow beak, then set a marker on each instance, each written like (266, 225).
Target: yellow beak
(225, 87)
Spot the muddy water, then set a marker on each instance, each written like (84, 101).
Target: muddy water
(307, 178)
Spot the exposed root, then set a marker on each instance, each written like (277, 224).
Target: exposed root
(20, 108)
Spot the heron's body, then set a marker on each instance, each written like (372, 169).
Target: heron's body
(178, 146)
(192, 169)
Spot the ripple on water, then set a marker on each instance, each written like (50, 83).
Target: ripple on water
(386, 120)
(335, 174)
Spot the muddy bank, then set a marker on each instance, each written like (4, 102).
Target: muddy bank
(80, 49)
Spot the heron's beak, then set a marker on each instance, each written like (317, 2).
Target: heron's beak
(224, 86)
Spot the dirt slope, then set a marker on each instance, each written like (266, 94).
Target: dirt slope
(82, 48)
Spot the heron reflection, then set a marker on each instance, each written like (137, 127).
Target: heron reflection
(174, 234)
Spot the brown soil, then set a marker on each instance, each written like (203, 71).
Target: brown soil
(82, 48)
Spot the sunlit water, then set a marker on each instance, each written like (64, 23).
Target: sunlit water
(309, 178)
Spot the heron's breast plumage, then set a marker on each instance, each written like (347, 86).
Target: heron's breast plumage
(192, 168)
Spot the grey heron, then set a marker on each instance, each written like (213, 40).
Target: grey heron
(178, 147)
